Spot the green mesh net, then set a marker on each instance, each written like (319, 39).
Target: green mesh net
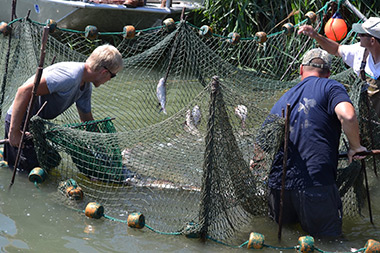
(194, 170)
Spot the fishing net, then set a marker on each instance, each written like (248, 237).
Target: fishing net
(197, 169)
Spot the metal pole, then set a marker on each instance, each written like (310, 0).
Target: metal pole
(168, 3)
(355, 11)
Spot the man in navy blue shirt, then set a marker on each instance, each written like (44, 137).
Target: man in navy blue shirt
(320, 109)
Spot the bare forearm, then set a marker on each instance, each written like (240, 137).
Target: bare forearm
(85, 116)
(351, 130)
(19, 108)
(332, 47)
(346, 115)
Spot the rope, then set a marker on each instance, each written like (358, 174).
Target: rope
(215, 240)
(160, 27)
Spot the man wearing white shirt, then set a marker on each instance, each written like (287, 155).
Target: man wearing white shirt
(363, 57)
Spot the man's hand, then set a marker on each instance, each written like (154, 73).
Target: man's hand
(351, 153)
(14, 138)
(307, 30)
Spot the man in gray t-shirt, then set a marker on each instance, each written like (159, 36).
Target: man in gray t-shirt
(61, 85)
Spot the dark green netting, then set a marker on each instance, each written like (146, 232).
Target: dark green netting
(98, 160)
(204, 177)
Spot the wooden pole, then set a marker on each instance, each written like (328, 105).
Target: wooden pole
(367, 191)
(285, 160)
(13, 15)
(37, 80)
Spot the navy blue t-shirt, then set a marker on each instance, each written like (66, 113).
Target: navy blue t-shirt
(314, 134)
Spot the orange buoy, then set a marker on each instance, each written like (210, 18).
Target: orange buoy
(94, 210)
(311, 16)
(91, 32)
(129, 31)
(336, 28)
(261, 37)
(169, 25)
(288, 28)
(5, 29)
(256, 241)
(233, 38)
(37, 175)
(136, 220)
(205, 30)
(74, 192)
(306, 244)
(372, 246)
(52, 25)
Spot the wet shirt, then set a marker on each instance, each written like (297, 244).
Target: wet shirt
(314, 133)
(63, 81)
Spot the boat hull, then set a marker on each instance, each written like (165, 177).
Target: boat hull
(106, 17)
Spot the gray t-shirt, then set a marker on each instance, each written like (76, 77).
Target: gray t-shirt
(63, 81)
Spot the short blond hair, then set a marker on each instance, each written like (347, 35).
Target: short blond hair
(105, 56)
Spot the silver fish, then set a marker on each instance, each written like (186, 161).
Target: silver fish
(189, 120)
(161, 94)
(241, 111)
(196, 113)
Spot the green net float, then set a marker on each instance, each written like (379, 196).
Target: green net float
(288, 28)
(74, 192)
(136, 220)
(306, 244)
(205, 30)
(37, 175)
(256, 241)
(5, 28)
(94, 210)
(91, 32)
(3, 164)
(372, 246)
(52, 25)
(129, 31)
(311, 16)
(233, 38)
(169, 24)
(261, 37)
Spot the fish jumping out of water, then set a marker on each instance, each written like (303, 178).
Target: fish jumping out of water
(161, 94)
(241, 111)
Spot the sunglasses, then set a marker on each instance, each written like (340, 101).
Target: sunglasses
(364, 35)
(109, 71)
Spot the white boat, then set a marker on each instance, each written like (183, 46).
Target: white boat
(77, 14)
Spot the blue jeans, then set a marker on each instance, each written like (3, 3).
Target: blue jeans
(28, 157)
(318, 209)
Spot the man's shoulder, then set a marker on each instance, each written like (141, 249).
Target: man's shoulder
(351, 48)
(63, 75)
(65, 70)
(66, 65)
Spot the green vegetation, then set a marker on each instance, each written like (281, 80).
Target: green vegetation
(247, 17)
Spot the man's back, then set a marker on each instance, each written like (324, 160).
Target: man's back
(314, 134)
